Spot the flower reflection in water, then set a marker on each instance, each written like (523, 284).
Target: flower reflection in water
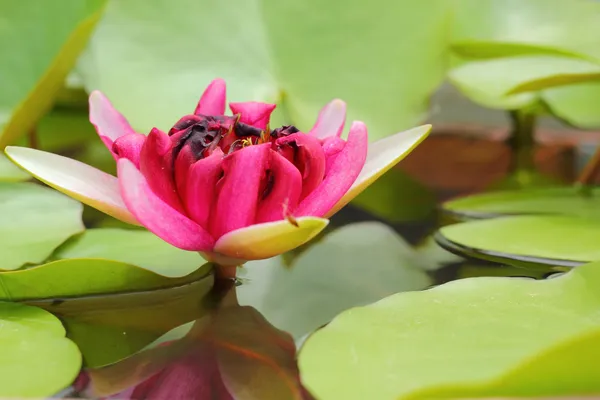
(231, 353)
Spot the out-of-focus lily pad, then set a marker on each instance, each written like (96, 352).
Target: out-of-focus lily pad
(83, 277)
(484, 49)
(570, 27)
(135, 247)
(108, 328)
(558, 200)
(9, 172)
(337, 273)
(502, 30)
(576, 104)
(37, 360)
(467, 332)
(34, 221)
(262, 59)
(490, 82)
(42, 41)
(559, 241)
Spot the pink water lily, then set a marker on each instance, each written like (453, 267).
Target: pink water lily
(228, 186)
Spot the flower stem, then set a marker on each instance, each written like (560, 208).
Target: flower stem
(522, 144)
(225, 272)
(589, 173)
(522, 140)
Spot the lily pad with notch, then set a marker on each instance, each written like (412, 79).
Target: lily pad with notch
(540, 242)
(37, 360)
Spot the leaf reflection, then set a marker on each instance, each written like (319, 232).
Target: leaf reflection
(231, 353)
(108, 328)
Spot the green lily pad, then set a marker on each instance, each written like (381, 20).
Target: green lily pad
(549, 373)
(467, 332)
(84, 277)
(562, 26)
(338, 272)
(485, 49)
(491, 82)
(37, 360)
(577, 104)
(560, 241)
(42, 41)
(34, 221)
(109, 328)
(263, 59)
(135, 247)
(500, 34)
(557, 200)
(9, 172)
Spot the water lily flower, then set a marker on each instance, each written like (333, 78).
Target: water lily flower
(228, 186)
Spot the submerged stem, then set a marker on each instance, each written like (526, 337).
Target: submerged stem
(591, 170)
(522, 140)
(225, 272)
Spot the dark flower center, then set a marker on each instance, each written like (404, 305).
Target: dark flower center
(201, 134)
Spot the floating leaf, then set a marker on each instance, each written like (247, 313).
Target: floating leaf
(550, 373)
(548, 240)
(266, 60)
(82, 277)
(108, 328)
(491, 82)
(488, 29)
(568, 27)
(135, 247)
(485, 49)
(34, 221)
(557, 200)
(577, 104)
(37, 360)
(335, 274)
(468, 332)
(44, 40)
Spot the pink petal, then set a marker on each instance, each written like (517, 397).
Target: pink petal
(109, 123)
(332, 147)
(331, 120)
(76, 179)
(260, 241)
(238, 190)
(382, 155)
(201, 187)
(212, 101)
(156, 165)
(129, 147)
(284, 193)
(253, 113)
(183, 162)
(310, 159)
(343, 172)
(156, 215)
